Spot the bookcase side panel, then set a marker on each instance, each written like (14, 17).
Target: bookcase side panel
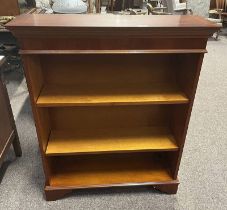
(188, 77)
(41, 118)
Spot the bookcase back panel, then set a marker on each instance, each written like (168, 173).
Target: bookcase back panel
(106, 117)
(107, 69)
(109, 169)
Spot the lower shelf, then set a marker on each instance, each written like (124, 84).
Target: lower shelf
(108, 170)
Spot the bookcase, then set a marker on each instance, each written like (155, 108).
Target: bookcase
(111, 96)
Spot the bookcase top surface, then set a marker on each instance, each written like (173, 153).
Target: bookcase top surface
(110, 21)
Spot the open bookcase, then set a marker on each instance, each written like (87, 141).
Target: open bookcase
(111, 96)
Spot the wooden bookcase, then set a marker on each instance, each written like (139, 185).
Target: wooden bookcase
(111, 96)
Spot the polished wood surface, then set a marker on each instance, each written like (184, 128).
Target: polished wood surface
(122, 25)
(109, 95)
(112, 96)
(124, 21)
(109, 170)
(62, 52)
(100, 80)
(112, 140)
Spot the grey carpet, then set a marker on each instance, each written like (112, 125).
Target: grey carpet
(203, 171)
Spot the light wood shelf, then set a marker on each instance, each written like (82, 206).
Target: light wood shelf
(108, 170)
(63, 95)
(110, 141)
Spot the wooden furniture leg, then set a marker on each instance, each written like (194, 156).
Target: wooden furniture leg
(55, 194)
(16, 146)
(15, 142)
(167, 188)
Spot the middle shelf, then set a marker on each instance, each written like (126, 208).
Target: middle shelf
(113, 140)
(77, 95)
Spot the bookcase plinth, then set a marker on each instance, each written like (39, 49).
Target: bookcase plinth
(55, 193)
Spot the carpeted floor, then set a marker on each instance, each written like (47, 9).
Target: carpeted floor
(203, 172)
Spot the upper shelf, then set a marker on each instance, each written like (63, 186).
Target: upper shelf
(57, 95)
(65, 52)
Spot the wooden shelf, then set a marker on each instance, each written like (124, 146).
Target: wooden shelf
(108, 170)
(110, 140)
(57, 95)
(68, 52)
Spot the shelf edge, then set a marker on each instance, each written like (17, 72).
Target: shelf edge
(173, 181)
(38, 104)
(110, 152)
(158, 51)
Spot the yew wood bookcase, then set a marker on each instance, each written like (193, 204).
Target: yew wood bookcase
(111, 96)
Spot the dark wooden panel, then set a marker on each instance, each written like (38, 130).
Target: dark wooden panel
(9, 8)
(5, 124)
(8, 131)
(115, 43)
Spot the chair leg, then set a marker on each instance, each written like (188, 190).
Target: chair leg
(16, 145)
